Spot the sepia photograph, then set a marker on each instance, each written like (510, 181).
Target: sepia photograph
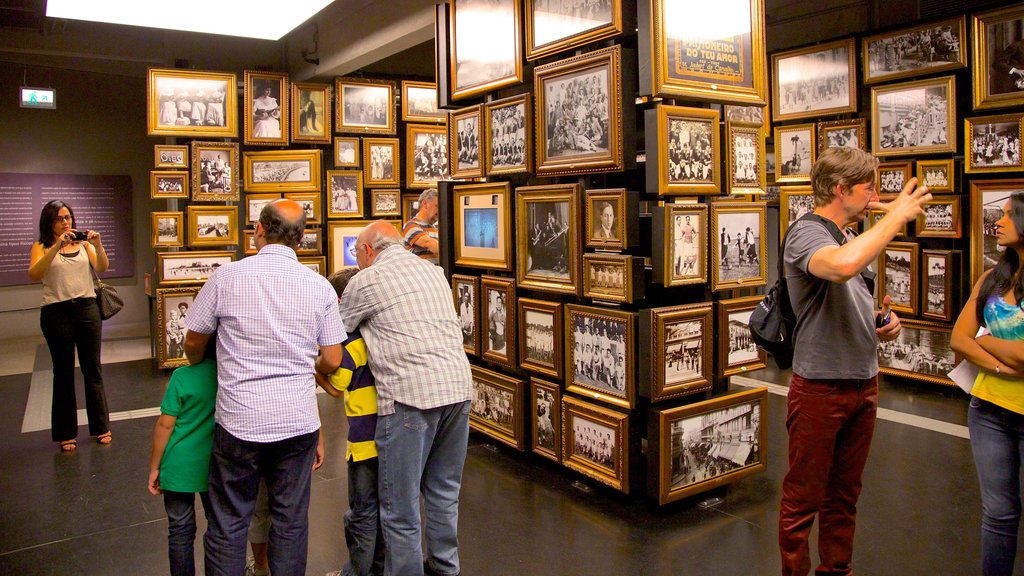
(381, 162)
(419, 103)
(688, 257)
(892, 177)
(540, 336)
(546, 407)
(192, 104)
(498, 320)
(794, 152)
(385, 203)
(815, 81)
(466, 138)
(214, 171)
(938, 175)
(295, 170)
(898, 276)
(554, 26)
(345, 190)
(715, 443)
(485, 46)
(595, 442)
(915, 51)
(172, 307)
(997, 61)
(687, 147)
(346, 152)
(189, 267)
(311, 113)
(426, 153)
(509, 134)
(168, 229)
(921, 352)
(496, 407)
(266, 108)
(465, 291)
(684, 351)
(168, 184)
(737, 351)
(677, 341)
(212, 225)
(914, 117)
(745, 114)
(613, 277)
(993, 143)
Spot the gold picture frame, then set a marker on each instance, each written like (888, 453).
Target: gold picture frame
(548, 238)
(498, 320)
(799, 76)
(989, 143)
(837, 133)
(214, 171)
(170, 156)
(419, 103)
(170, 331)
(346, 152)
(466, 142)
(607, 462)
(345, 194)
(466, 294)
(546, 419)
(341, 241)
(317, 264)
(745, 144)
(891, 105)
(426, 155)
(671, 171)
(996, 36)
(479, 209)
(168, 184)
(385, 203)
(616, 383)
(496, 409)
(987, 200)
(254, 204)
(938, 268)
(794, 202)
(508, 136)
(190, 267)
(212, 226)
(940, 219)
(364, 106)
(891, 177)
(266, 109)
(602, 205)
(937, 175)
(311, 113)
(282, 171)
(902, 287)
(557, 29)
(382, 162)
(795, 152)
(172, 93)
(676, 351)
(737, 351)
(612, 277)
(310, 203)
(311, 243)
(945, 50)
(485, 48)
(680, 248)
(168, 229)
(734, 223)
(933, 347)
(540, 337)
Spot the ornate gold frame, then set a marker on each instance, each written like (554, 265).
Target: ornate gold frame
(473, 282)
(950, 258)
(490, 194)
(668, 276)
(155, 229)
(340, 127)
(324, 135)
(958, 22)
(555, 390)
(454, 142)
(481, 30)
(507, 287)
(249, 159)
(155, 175)
(196, 80)
(922, 231)
(160, 163)
(981, 74)
(812, 148)
(551, 193)
(438, 116)
(628, 319)
(553, 368)
(725, 308)
(358, 213)
(947, 82)
(909, 325)
(812, 53)
(915, 275)
(754, 132)
(197, 150)
(193, 223)
(654, 380)
(717, 210)
(525, 101)
(969, 166)
(396, 163)
(283, 109)
(1002, 190)
(860, 124)
(162, 258)
(618, 475)
(666, 114)
(162, 360)
(947, 165)
(512, 435)
(566, 42)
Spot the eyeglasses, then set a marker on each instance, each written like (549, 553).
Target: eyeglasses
(64, 218)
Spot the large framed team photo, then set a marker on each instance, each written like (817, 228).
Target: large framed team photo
(554, 26)
(496, 407)
(595, 442)
(915, 51)
(508, 136)
(600, 354)
(688, 150)
(426, 155)
(916, 117)
(540, 337)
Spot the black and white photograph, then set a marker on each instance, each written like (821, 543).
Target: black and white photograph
(168, 229)
(549, 243)
(736, 350)
(605, 226)
(993, 143)
(690, 152)
(739, 241)
(254, 204)
(496, 407)
(497, 335)
(385, 203)
(810, 82)
(935, 265)
(310, 203)
(794, 152)
(606, 277)
(210, 226)
(176, 311)
(798, 205)
(346, 152)
(366, 106)
(599, 354)
(215, 171)
(190, 103)
(745, 114)
(841, 137)
(419, 102)
(998, 58)
(915, 51)
(742, 348)
(539, 330)
(485, 45)
(309, 244)
(281, 171)
(914, 117)
(311, 113)
(467, 144)
(993, 197)
(345, 190)
(170, 184)
(264, 123)
(745, 153)
(594, 441)
(688, 239)
(937, 175)
(684, 351)
(170, 156)
(843, 133)
(546, 404)
(493, 404)
(941, 218)
(891, 180)
(466, 309)
(576, 108)
(898, 276)
(381, 162)
(707, 445)
(920, 351)
(190, 267)
(555, 25)
(427, 151)
(498, 320)
(509, 137)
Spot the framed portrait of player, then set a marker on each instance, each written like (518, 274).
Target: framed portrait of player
(426, 155)
(988, 197)
(214, 171)
(745, 144)
(548, 238)
(317, 264)
(345, 194)
(838, 133)
(600, 354)
(737, 351)
(169, 156)
(498, 320)
(938, 175)
(936, 47)
(172, 305)
(546, 419)
(997, 62)
(729, 69)
(679, 439)
(311, 113)
(595, 442)
(419, 103)
(676, 351)
(282, 171)
(795, 152)
(898, 276)
(385, 203)
(341, 241)
(466, 293)
(816, 81)
(191, 104)
(168, 229)
(485, 46)
(540, 337)
(168, 184)
(496, 407)
(679, 244)
(364, 106)
(483, 233)
(939, 268)
(553, 27)
(346, 152)
(941, 218)
(311, 243)
(920, 352)
(266, 109)
(212, 226)
(738, 245)
(891, 177)
(992, 143)
(916, 117)
(688, 157)
(381, 162)
(613, 277)
(465, 137)
(190, 267)
(610, 219)
(310, 203)
(508, 136)
(254, 204)
(579, 114)
(794, 203)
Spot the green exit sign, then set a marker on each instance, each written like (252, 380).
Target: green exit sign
(38, 98)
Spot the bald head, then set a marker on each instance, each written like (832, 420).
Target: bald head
(373, 240)
(283, 222)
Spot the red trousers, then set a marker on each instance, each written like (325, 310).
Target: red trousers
(830, 424)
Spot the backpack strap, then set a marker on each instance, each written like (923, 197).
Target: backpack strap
(841, 238)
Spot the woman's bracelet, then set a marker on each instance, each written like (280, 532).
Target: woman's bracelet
(998, 366)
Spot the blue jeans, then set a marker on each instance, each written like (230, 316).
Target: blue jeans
(181, 529)
(997, 440)
(421, 450)
(235, 471)
(362, 521)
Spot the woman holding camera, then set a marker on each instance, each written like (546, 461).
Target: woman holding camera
(70, 318)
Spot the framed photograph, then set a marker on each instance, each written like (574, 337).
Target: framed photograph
(540, 337)
(688, 157)
(192, 267)
(898, 276)
(920, 352)
(172, 305)
(738, 256)
(839, 133)
(508, 136)
(940, 267)
(385, 203)
(465, 134)
(816, 81)
(485, 46)
(498, 320)
(914, 117)
(613, 277)
(746, 159)
(546, 419)
(410, 205)
(794, 152)
(192, 104)
(745, 115)
(600, 354)
(553, 27)
(794, 203)
(938, 175)
(483, 232)
(346, 152)
(579, 114)
(168, 229)
(611, 217)
(254, 204)
(212, 226)
(992, 143)
(282, 171)
(214, 171)
(676, 351)
(997, 68)
(341, 242)
(875, 215)
(266, 108)
(595, 442)
(701, 446)
(891, 177)
(737, 351)
(364, 106)
(496, 407)
(466, 293)
(310, 244)
(310, 202)
(941, 218)
(988, 197)
(317, 264)
(311, 113)
(168, 156)
(345, 191)
(419, 103)
(680, 244)
(915, 51)
(168, 184)
(381, 162)
(249, 242)
(426, 155)
(548, 238)
(731, 67)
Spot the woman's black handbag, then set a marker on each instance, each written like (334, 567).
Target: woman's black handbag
(109, 301)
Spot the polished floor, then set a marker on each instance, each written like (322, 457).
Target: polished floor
(90, 513)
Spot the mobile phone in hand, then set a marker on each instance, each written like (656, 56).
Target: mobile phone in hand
(884, 317)
(81, 235)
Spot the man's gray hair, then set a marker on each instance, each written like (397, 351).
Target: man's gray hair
(428, 194)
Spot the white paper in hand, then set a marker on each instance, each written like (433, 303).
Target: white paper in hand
(966, 373)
